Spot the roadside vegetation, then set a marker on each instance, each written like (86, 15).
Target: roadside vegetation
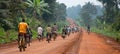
(102, 19)
(36, 12)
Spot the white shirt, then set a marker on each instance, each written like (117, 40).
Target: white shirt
(40, 30)
(68, 29)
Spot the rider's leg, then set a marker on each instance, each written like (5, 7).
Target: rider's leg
(50, 35)
(42, 36)
(55, 33)
(47, 36)
(30, 38)
(25, 40)
(18, 39)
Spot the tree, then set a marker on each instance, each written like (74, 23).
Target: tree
(38, 6)
(73, 11)
(112, 13)
(86, 13)
(10, 10)
(60, 11)
(111, 9)
(49, 17)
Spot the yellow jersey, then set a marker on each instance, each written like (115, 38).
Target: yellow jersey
(49, 29)
(22, 27)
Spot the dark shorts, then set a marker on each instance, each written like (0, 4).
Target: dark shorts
(48, 35)
(22, 34)
(54, 32)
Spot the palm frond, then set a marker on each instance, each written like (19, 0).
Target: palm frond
(29, 3)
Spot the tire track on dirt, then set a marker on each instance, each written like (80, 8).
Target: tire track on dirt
(75, 45)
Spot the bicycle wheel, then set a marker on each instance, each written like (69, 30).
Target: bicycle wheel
(54, 37)
(63, 35)
(22, 44)
(20, 48)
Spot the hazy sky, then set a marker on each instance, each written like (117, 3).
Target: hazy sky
(70, 3)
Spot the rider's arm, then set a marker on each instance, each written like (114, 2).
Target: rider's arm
(27, 25)
(18, 27)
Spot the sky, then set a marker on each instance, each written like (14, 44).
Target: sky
(70, 3)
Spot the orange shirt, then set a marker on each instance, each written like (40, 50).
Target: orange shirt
(22, 27)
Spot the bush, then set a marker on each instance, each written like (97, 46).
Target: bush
(115, 35)
(13, 35)
(2, 34)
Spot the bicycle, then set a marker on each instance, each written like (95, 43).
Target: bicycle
(48, 37)
(40, 37)
(54, 35)
(68, 34)
(63, 35)
(21, 43)
(28, 39)
(88, 31)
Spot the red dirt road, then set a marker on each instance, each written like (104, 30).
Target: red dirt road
(74, 44)
(94, 44)
(59, 46)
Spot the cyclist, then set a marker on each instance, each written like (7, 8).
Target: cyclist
(77, 28)
(22, 31)
(49, 31)
(64, 32)
(88, 29)
(29, 34)
(68, 30)
(40, 32)
(73, 30)
(54, 30)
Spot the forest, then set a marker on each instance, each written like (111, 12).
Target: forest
(60, 27)
(103, 19)
(35, 12)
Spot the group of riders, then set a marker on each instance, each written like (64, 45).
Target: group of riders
(25, 33)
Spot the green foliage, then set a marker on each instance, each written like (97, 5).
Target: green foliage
(7, 36)
(61, 24)
(86, 13)
(89, 8)
(5, 24)
(2, 32)
(116, 24)
(34, 33)
(111, 9)
(111, 15)
(73, 12)
(107, 32)
(110, 19)
(60, 11)
(49, 17)
(38, 6)
(79, 22)
(33, 23)
(35, 12)
(12, 35)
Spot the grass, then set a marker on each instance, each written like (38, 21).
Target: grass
(115, 35)
(2, 34)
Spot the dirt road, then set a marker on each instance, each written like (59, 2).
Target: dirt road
(59, 46)
(74, 44)
(96, 44)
